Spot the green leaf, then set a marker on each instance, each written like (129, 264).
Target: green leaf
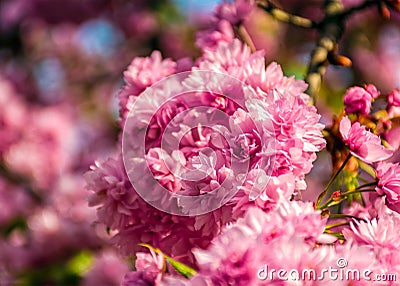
(182, 268)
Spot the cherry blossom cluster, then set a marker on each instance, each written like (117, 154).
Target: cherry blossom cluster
(280, 136)
(272, 127)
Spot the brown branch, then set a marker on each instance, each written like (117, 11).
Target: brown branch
(331, 29)
(286, 17)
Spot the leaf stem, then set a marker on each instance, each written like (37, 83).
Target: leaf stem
(322, 195)
(245, 36)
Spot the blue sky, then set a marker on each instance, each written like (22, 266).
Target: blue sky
(193, 6)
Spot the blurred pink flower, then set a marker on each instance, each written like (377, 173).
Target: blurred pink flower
(300, 219)
(14, 202)
(382, 57)
(235, 12)
(394, 98)
(13, 115)
(388, 175)
(108, 269)
(358, 100)
(372, 90)
(220, 32)
(357, 257)
(362, 143)
(50, 129)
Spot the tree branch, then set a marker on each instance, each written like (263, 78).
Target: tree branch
(286, 17)
(331, 29)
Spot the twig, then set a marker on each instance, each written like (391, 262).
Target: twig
(333, 178)
(330, 29)
(286, 17)
(245, 36)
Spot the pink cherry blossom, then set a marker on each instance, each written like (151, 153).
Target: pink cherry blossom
(149, 268)
(265, 79)
(388, 175)
(280, 239)
(266, 193)
(363, 212)
(394, 98)
(372, 90)
(378, 232)
(134, 221)
(236, 251)
(142, 73)
(51, 128)
(14, 202)
(357, 99)
(235, 12)
(220, 32)
(380, 235)
(228, 58)
(362, 143)
(297, 131)
(162, 166)
(113, 194)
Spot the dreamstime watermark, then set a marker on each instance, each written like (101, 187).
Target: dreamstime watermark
(340, 272)
(189, 142)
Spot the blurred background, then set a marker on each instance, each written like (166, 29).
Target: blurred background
(61, 65)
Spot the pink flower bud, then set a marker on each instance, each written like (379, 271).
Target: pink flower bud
(394, 98)
(372, 90)
(358, 100)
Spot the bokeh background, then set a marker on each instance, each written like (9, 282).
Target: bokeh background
(61, 65)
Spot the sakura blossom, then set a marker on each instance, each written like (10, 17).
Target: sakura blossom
(362, 143)
(387, 175)
(359, 100)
